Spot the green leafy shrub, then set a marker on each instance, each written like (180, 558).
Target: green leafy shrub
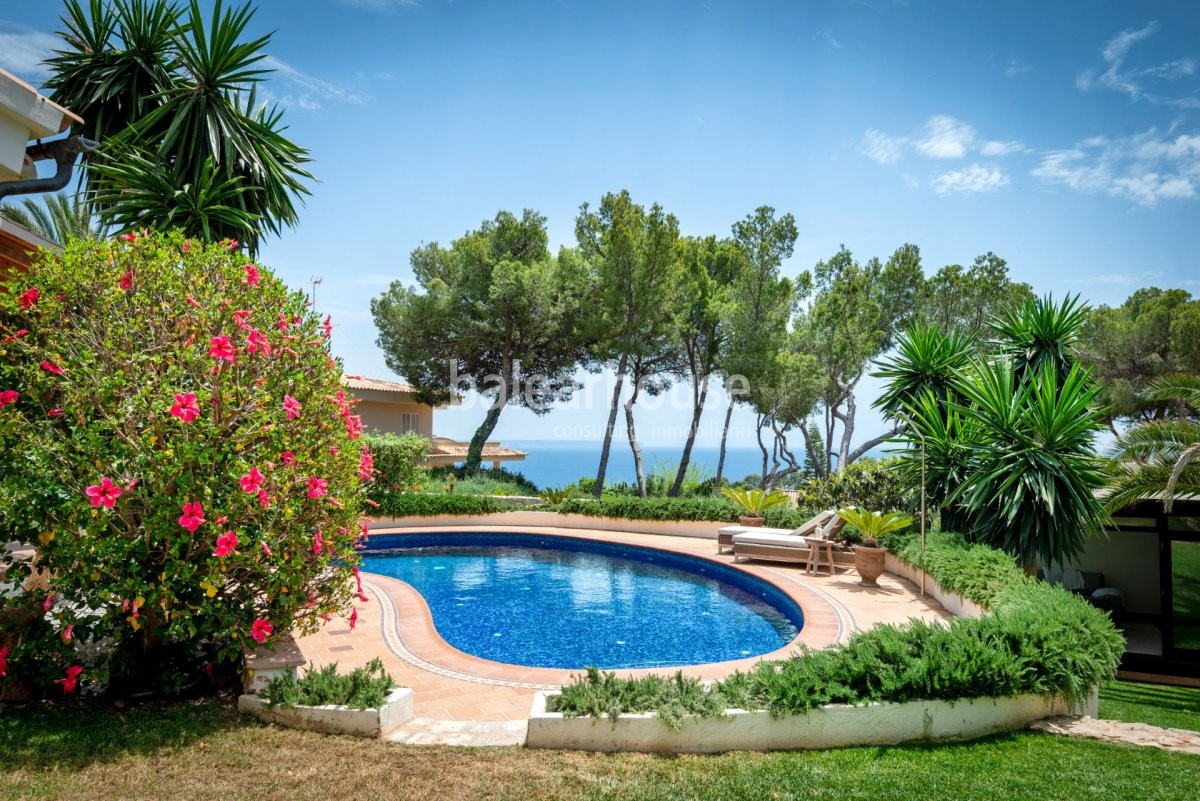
(1038, 639)
(486, 480)
(180, 453)
(715, 509)
(398, 459)
(866, 483)
(673, 698)
(428, 504)
(976, 572)
(362, 688)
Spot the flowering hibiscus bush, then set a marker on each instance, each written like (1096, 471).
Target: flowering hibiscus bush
(179, 452)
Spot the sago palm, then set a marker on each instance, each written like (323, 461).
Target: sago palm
(1160, 458)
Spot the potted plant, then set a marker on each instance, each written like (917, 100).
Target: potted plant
(753, 502)
(868, 556)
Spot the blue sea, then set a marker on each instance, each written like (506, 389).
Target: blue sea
(554, 463)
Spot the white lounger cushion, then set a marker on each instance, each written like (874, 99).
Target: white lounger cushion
(735, 530)
(767, 536)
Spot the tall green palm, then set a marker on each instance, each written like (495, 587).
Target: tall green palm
(172, 99)
(1160, 458)
(1034, 474)
(927, 360)
(1040, 333)
(58, 217)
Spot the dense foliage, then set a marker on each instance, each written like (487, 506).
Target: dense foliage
(362, 688)
(1037, 639)
(867, 483)
(1008, 448)
(170, 97)
(432, 504)
(178, 451)
(1160, 458)
(398, 459)
(634, 508)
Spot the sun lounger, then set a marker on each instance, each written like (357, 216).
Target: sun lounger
(790, 547)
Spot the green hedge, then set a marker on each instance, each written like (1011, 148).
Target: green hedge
(976, 572)
(715, 509)
(1038, 639)
(431, 504)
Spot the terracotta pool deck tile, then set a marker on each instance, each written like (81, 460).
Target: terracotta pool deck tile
(395, 625)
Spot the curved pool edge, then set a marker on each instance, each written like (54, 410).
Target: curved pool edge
(412, 636)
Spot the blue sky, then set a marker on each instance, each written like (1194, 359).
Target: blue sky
(1064, 137)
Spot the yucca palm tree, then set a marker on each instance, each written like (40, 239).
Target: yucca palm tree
(1040, 333)
(1031, 491)
(927, 360)
(171, 98)
(57, 217)
(1160, 458)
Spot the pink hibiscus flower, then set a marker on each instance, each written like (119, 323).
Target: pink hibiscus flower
(8, 396)
(257, 340)
(29, 297)
(252, 481)
(103, 494)
(226, 544)
(327, 326)
(72, 678)
(192, 517)
(264, 500)
(317, 487)
(126, 282)
(51, 367)
(185, 407)
(288, 458)
(366, 465)
(220, 348)
(318, 543)
(260, 630)
(252, 277)
(291, 406)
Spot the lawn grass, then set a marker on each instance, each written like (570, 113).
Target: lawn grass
(1156, 704)
(188, 751)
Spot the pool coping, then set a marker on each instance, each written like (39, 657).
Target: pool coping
(410, 635)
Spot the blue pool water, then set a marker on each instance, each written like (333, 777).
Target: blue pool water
(570, 603)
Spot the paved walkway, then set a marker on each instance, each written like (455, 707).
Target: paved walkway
(1115, 731)
(451, 686)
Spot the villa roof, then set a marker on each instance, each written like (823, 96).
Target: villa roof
(446, 450)
(377, 384)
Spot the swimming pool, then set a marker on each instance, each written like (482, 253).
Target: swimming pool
(565, 602)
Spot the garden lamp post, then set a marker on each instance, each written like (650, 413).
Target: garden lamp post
(914, 427)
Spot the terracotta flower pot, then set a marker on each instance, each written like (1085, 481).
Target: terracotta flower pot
(750, 520)
(869, 564)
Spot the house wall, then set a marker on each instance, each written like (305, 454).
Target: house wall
(1129, 562)
(386, 415)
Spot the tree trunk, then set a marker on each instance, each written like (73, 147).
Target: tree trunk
(612, 424)
(631, 430)
(475, 451)
(847, 431)
(697, 411)
(721, 456)
(871, 443)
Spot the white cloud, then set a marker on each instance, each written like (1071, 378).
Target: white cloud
(994, 148)
(1145, 168)
(882, 148)
(976, 178)
(1131, 80)
(1015, 68)
(303, 91)
(22, 51)
(826, 35)
(946, 138)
